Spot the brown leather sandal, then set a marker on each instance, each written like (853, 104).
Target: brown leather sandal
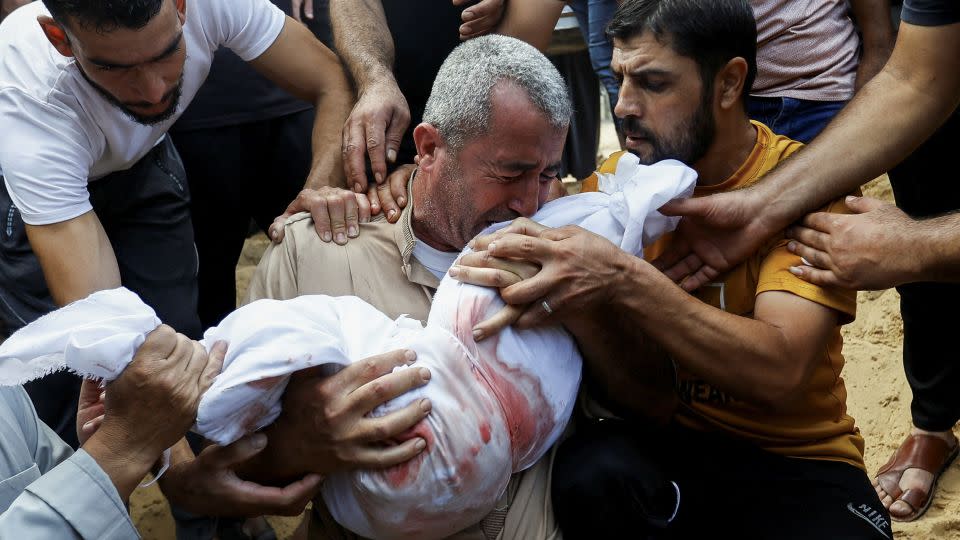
(919, 451)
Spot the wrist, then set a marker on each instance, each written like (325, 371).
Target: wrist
(631, 275)
(934, 256)
(125, 465)
(374, 77)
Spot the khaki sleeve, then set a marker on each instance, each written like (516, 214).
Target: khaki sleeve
(276, 274)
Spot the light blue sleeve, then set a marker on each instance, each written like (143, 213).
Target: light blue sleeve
(75, 499)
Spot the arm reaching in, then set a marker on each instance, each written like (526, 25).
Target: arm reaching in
(896, 111)
(381, 114)
(771, 356)
(876, 247)
(76, 257)
(302, 65)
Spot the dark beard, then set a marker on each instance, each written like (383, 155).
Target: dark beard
(696, 135)
(148, 120)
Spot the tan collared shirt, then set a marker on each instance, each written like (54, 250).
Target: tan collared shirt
(377, 266)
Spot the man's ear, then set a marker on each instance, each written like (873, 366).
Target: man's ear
(730, 82)
(56, 35)
(428, 142)
(182, 10)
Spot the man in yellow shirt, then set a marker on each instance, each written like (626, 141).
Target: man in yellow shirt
(759, 444)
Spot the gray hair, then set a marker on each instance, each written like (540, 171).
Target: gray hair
(459, 104)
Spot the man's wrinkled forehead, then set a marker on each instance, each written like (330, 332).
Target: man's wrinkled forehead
(641, 50)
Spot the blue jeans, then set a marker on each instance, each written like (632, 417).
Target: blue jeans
(593, 17)
(799, 119)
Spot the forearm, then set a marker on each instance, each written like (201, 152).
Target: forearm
(363, 40)
(332, 109)
(623, 369)
(876, 28)
(531, 20)
(748, 358)
(897, 110)
(76, 257)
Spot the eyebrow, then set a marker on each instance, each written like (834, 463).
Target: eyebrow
(646, 72)
(526, 165)
(166, 52)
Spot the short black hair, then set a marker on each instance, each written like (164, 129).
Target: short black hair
(104, 16)
(711, 32)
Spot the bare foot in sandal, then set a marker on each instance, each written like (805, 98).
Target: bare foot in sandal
(906, 484)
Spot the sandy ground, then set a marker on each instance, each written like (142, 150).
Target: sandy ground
(879, 399)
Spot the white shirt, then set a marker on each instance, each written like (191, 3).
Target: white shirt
(57, 132)
(434, 260)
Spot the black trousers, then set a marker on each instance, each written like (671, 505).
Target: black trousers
(145, 212)
(238, 173)
(620, 480)
(927, 184)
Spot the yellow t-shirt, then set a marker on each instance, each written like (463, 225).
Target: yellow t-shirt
(819, 428)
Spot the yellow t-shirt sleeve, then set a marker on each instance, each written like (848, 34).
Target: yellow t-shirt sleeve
(609, 166)
(775, 275)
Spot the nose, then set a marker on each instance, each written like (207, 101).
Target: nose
(627, 103)
(527, 200)
(151, 86)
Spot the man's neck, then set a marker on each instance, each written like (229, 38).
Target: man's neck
(421, 227)
(730, 149)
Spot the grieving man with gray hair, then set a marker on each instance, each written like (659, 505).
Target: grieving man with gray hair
(489, 147)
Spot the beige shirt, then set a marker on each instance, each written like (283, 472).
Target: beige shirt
(378, 266)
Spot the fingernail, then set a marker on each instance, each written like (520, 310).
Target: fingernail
(393, 213)
(410, 356)
(354, 231)
(795, 270)
(379, 178)
(420, 445)
(327, 237)
(805, 261)
(88, 425)
(258, 441)
(401, 201)
(477, 334)
(851, 198)
(467, 16)
(471, 243)
(341, 238)
(791, 247)
(454, 271)
(357, 187)
(464, 30)
(424, 374)
(103, 396)
(392, 154)
(425, 405)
